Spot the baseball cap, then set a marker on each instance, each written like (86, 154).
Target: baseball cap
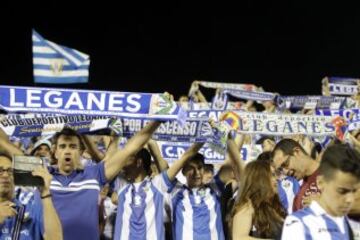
(39, 143)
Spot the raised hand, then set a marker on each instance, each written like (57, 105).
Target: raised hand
(46, 176)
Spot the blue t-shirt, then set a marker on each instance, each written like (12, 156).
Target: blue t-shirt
(32, 226)
(75, 199)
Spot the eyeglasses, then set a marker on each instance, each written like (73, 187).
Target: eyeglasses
(284, 165)
(9, 171)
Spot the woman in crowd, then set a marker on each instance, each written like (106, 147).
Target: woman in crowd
(257, 213)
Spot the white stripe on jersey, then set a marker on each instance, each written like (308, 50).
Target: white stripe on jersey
(315, 224)
(91, 181)
(210, 203)
(125, 231)
(75, 189)
(149, 215)
(288, 187)
(305, 221)
(187, 217)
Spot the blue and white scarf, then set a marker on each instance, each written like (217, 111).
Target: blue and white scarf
(343, 86)
(349, 114)
(275, 124)
(30, 126)
(172, 151)
(89, 102)
(310, 102)
(220, 85)
(193, 130)
(251, 95)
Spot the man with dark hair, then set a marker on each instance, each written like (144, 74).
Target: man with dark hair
(193, 170)
(31, 221)
(290, 158)
(338, 180)
(69, 181)
(196, 209)
(288, 186)
(76, 190)
(141, 200)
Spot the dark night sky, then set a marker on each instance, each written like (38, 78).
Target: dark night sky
(284, 46)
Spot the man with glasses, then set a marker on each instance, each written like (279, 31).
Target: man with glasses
(25, 222)
(290, 158)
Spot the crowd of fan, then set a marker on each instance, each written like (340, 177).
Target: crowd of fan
(95, 189)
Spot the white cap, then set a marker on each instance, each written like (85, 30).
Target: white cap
(39, 143)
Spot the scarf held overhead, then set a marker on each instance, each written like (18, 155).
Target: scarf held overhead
(89, 102)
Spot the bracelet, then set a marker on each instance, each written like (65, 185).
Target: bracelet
(46, 196)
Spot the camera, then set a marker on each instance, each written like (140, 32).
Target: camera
(23, 167)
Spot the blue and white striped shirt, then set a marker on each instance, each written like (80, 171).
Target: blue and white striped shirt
(288, 187)
(196, 213)
(140, 213)
(314, 223)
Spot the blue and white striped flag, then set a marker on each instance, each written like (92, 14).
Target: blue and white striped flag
(57, 64)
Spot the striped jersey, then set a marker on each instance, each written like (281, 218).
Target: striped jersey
(140, 212)
(196, 213)
(75, 199)
(288, 187)
(314, 223)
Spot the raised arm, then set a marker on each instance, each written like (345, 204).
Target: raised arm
(200, 96)
(325, 89)
(178, 165)
(195, 90)
(91, 147)
(116, 161)
(6, 147)
(233, 160)
(52, 224)
(113, 146)
(160, 162)
(233, 151)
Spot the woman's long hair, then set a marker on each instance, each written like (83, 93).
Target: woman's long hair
(257, 187)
